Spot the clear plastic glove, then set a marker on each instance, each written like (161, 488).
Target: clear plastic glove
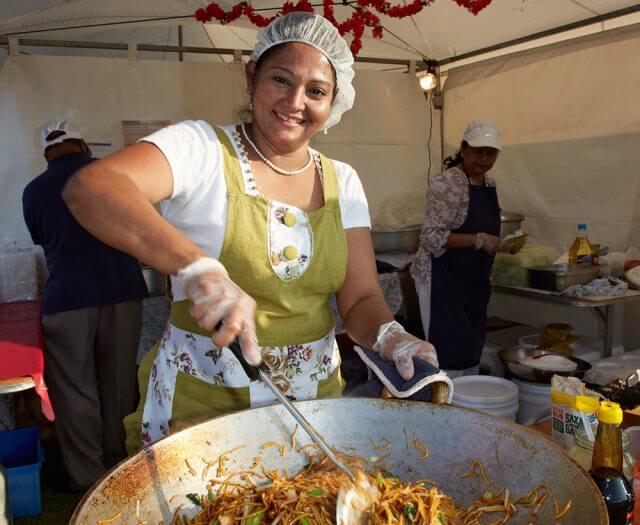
(395, 344)
(215, 297)
(491, 244)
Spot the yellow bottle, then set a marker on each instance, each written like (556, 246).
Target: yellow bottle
(581, 251)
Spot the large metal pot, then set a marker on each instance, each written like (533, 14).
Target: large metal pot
(158, 478)
(404, 240)
(510, 222)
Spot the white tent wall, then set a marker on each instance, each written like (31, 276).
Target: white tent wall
(384, 137)
(571, 126)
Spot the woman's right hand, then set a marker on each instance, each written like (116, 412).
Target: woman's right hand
(491, 244)
(215, 297)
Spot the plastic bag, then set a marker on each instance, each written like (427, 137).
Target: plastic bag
(598, 287)
(567, 419)
(613, 262)
(18, 276)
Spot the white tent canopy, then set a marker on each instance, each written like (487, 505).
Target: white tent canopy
(441, 31)
(567, 109)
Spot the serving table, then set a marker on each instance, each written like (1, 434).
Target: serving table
(603, 305)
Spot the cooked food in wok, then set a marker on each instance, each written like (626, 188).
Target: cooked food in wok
(412, 441)
(257, 496)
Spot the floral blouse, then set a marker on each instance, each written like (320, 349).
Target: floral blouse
(447, 208)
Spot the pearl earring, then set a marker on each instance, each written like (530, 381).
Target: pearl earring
(251, 105)
(324, 131)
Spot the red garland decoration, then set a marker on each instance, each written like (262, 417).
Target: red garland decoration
(362, 17)
(474, 6)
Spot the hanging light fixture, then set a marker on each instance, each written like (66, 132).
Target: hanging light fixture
(427, 78)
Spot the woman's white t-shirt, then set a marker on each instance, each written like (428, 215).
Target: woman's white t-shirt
(198, 205)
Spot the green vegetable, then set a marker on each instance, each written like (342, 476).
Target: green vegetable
(195, 498)
(441, 520)
(410, 511)
(512, 270)
(304, 521)
(255, 518)
(379, 480)
(210, 495)
(316, 492)
(387, 474)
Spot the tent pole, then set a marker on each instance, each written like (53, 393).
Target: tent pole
(32, 42)
(549, 32)
(180, 54)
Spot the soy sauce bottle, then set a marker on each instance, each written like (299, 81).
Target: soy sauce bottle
(606, 465)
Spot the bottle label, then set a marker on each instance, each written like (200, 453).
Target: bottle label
(584, 259)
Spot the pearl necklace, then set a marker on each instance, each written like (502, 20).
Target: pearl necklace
(271, 164)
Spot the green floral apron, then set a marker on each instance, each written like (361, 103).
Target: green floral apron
(290, 262)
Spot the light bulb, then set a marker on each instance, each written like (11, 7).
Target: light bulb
(427, 82)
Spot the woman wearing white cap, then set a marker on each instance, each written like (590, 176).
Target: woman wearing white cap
(459, 238)
(258, 230)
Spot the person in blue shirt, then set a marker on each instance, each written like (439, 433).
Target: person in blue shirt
(91, 317)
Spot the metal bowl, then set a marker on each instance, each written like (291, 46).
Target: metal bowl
(157, 479)
(513, 368)
(404, 240)
(510, 222)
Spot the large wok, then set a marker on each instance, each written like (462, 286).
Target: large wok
(157, 478)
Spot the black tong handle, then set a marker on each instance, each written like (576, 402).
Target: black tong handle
(252, 371)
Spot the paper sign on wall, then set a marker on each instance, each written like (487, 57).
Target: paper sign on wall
(134, 130)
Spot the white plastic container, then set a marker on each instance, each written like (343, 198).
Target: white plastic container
(492, 395)
(534, 401)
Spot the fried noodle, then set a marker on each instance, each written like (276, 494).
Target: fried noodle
(310, 497)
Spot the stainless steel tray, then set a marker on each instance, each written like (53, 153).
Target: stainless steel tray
(558, 277)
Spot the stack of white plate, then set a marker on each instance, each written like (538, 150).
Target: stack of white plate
(492, 395)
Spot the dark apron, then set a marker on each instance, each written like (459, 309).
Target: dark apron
(461, 288)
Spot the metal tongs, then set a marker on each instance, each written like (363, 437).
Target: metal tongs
(260, 373)
(353, 501)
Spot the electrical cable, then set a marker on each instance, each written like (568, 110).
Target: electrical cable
(430, 103)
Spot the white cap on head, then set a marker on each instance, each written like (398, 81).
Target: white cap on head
(480, 134)
(316, 31)
(68, 129)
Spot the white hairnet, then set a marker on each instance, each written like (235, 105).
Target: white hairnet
(318, 32)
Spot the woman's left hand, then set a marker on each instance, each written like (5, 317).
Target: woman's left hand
(395, 344)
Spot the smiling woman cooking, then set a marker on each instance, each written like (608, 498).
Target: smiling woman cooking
(257, 230)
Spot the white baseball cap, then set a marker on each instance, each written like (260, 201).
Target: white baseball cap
(68, 129)
(480, 134)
